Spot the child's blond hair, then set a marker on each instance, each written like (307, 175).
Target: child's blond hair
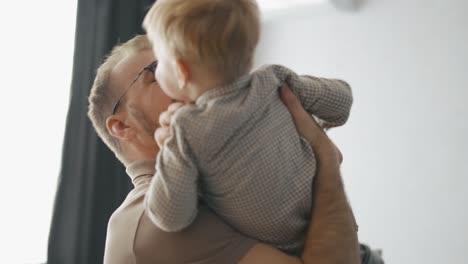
(219, 35)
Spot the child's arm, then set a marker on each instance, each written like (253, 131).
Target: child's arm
(171, 200)
(328, 99)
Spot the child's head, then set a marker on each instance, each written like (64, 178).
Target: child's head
(194, 39)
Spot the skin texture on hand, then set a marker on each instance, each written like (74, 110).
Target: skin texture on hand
(332, 234)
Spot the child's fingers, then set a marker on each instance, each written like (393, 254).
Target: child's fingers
(161, 135)
(165, 119)
(175, 106)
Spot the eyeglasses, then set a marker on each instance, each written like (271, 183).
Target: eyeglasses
(151, 68)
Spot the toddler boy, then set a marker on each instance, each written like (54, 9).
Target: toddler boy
(235, 144)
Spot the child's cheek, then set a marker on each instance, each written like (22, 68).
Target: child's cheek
(159, 75)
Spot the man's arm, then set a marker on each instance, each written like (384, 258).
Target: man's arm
(332, 234)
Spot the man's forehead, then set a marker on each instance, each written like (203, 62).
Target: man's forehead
(125, 71)
(134, 63)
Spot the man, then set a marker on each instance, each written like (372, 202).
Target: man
(125, 112)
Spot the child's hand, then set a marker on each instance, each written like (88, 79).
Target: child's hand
(163, 132)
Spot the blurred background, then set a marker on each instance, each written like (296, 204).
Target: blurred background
(405, 145)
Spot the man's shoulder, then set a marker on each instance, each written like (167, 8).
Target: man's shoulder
(130, 208)
(122, 226)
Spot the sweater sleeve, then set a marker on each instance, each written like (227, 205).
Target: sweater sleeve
(330, 100)
(171, 200)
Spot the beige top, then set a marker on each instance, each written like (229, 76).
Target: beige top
(133, 239)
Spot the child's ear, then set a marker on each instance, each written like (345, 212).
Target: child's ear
(182, 73)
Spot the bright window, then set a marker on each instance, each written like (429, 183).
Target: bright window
(36, 55)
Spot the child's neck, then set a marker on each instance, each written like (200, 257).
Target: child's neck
(203, 83)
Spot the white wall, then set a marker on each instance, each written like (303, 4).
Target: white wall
(406, 143)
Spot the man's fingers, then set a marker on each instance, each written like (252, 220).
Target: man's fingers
(305, 125)
(289, 99)
(338, 153)
(300, 116)
(161, 135)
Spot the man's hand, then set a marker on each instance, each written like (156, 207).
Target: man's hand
(163, 132)
(311, 131)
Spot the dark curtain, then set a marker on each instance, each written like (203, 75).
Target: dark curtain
(92, 182)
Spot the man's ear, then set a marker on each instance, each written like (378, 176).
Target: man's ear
(118, 128)
(182, 73)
